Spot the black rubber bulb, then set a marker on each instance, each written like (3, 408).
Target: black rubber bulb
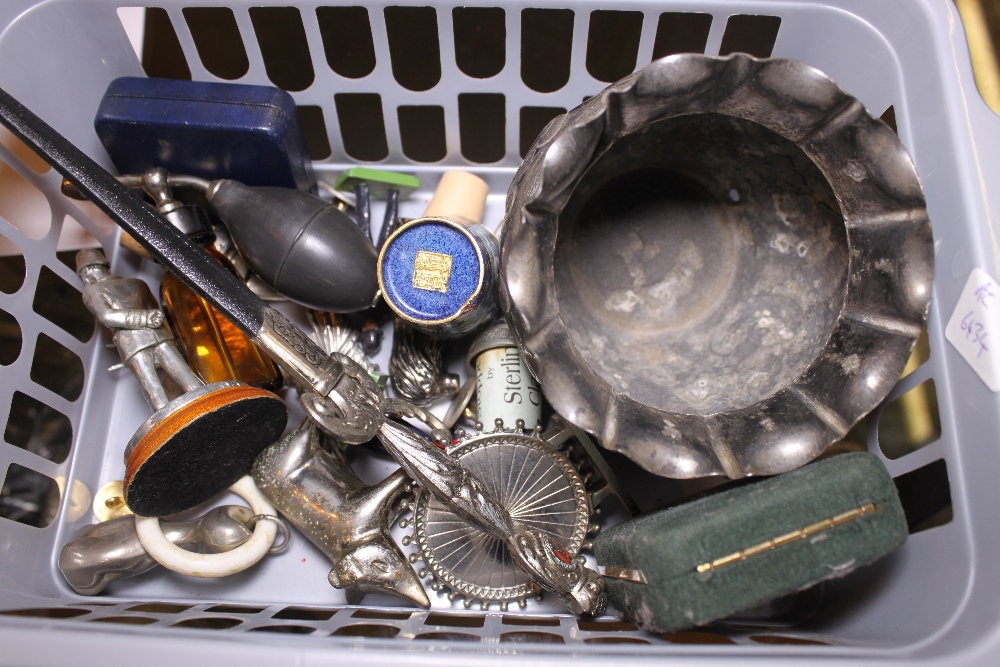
(306, 249)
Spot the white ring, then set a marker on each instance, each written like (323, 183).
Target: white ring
(285, 532)
(172, 557)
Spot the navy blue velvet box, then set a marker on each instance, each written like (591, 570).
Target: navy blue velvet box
(247, 133)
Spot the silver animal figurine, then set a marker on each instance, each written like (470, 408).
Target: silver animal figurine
(329, 514)
(105, 552)
(417, 366)
(320, 494)
(546, 561)
(129, 309)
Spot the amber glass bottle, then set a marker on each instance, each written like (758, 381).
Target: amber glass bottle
(215, 348)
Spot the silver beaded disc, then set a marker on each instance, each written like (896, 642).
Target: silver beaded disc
(534, 482)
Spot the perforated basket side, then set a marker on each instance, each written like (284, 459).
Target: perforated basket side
(934, 599)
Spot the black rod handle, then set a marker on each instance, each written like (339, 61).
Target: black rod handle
(166, 244)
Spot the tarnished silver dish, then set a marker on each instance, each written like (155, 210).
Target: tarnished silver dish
(717, 265)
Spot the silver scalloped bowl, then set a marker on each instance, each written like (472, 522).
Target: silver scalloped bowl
(717, 265)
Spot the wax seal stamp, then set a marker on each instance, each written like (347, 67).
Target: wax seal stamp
(438, 272)
(196, 445)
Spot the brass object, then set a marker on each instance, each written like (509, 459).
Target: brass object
(626, 574)
(109, 501)
(788, 538)
(431, 271)
(214, 347)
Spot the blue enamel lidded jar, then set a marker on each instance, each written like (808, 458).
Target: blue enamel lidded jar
(440, 275)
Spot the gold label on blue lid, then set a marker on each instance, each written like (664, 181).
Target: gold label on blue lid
(431, 271)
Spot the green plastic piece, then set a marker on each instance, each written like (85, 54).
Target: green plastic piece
(379, 182)
(669, 546)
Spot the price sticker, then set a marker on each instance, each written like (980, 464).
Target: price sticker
(974, 327)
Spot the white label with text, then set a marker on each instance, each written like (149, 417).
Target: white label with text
(974, 327)
(505, 389)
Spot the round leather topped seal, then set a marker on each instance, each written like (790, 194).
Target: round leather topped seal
(198, 445)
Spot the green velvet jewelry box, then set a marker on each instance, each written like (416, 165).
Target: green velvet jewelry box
(705, 560)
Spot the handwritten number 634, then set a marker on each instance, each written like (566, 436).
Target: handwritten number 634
(975, 331)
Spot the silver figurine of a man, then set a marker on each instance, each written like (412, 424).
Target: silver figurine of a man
(129, 309)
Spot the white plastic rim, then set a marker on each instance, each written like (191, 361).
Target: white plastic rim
(173, 557)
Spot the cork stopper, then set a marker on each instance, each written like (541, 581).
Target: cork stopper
(459, 194)
(127, 241)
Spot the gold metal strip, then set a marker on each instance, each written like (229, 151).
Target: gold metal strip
(787, 538)
(636, 576)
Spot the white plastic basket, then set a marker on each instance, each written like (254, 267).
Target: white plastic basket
(937, 599)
